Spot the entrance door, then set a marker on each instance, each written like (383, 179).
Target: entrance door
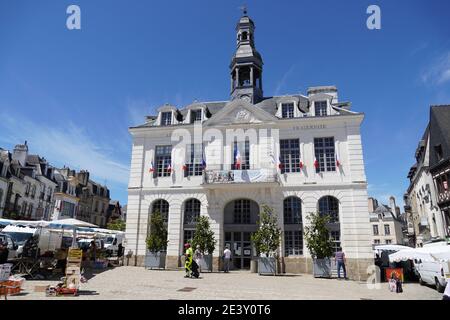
(241, 248)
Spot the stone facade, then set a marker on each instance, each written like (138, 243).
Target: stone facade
(303, 154)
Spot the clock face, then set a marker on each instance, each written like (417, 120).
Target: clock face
(246, 98)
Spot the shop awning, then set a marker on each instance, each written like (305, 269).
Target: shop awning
(437, 253)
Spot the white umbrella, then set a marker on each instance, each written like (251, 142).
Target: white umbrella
(71, 223)
(391, 247)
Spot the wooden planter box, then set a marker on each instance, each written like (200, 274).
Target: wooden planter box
(267, 266)
(155, 260)
(322, 268)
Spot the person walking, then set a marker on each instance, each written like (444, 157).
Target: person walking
(226, 259)
(189, 255)
(340, 261)
(198, 256)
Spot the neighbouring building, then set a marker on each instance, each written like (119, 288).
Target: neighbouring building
(425, 212)
(296, 153)
(440, 161)
(114, 211)
(387, 222)
(32, 189)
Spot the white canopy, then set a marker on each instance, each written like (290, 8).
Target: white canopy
(391, 247)
(70, 223)
(436, 253)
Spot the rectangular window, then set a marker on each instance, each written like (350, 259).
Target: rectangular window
(376, 241)
(194, 156)
(68, 209)
(287, 110)
(290, 155)
(241, 212)
(387, 230)
(375, 230)
(166, 118)
(163, 159)
(188, 235)
(196, 115)
(336, 240)
(320, 108)
(244, 151)
(293, 243)
(388, 241)
(325, 154)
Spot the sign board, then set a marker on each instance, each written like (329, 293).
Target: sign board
(75, 255)
(398, 272)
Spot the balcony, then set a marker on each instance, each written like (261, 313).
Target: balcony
(444, 196)
(217, 177)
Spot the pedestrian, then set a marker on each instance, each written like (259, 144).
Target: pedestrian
(340, 261)
(93, 251)
(226, 259)
(198, 256)
(4, 252)
(446, 295)
(188, 259)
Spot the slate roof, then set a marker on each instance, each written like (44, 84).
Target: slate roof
(439, 132)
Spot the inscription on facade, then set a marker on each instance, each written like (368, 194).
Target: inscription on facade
(310, 127)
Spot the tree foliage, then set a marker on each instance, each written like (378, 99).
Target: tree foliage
(117, 224)
(157, 240)
(267, 239)
(317, 236)
(204, 236)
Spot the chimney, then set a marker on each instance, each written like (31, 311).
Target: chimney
(373, 204)
(393, 206)
(20, 153)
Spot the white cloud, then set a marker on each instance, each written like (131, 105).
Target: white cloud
(66, 144)
(439, 72)
(283, 80)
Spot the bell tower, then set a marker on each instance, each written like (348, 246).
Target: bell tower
(247, 65)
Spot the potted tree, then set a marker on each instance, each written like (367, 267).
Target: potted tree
(319, 244)
(266, 241)
(156, 243)
(204, 237)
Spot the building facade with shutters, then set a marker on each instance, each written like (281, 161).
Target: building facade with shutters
(299, 154)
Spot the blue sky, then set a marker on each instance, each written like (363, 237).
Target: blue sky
(73, 94)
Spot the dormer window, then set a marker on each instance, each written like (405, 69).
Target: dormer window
(438, 151)
(196, 115)
(166, 118)
(320, 108)
(287, 110)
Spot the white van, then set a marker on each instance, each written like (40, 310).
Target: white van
(20, 235)
(432, 273)
(112, 242)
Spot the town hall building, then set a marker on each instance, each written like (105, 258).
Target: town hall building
(298, 154)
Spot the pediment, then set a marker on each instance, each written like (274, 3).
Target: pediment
(240, 112)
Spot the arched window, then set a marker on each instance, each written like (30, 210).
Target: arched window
(191, 211)
(329, 206)
(292, 210)
(293, 228)
(163, 207)
(244, 36)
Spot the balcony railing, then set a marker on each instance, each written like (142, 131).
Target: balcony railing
(444, 196)
(240, 176)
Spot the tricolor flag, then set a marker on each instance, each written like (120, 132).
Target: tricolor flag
(169, 167)
(338, 163)
(203, 162)
(301, 165)
(152, 167)
(184, 167)
(280, 163)
(237, 158)
(316, 163)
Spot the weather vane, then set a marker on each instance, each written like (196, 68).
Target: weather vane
(244, 10)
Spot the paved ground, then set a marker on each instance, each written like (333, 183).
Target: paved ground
(138, 283)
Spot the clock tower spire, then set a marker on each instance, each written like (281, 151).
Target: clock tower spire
(247, 65)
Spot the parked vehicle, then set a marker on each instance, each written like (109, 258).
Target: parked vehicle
(20, 235)
(12, 246)
(112, 243)
(84, 243)
(432, 273)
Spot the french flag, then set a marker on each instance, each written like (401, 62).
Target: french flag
(338, 163)
(152, 167)
(169, 167)
(237, 158)
(184, 167)
(316, 163)
(301, 165)
(203, 163)
(280, 163)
